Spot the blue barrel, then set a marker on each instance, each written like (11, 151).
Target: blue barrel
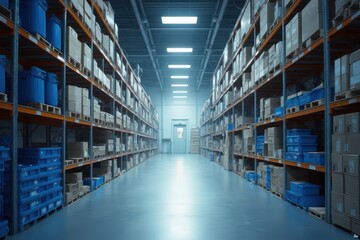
(4, 3)
(32, 86)
(53, 31)
(33, 16)
(2, 73)
(51, 90)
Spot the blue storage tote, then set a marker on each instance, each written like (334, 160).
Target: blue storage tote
(301, 148)
(51, 90)
(296, 132)
(305, 201)
(293, 102)
(4, 153)
(305, 188)
(317, 94)
(53, 31)
(2, 73)
(304, 99)
(302, 139)
(260, 139)
(279, 111)
(39, 152)
(33, 16)
(4, 3)
(315, 158)
(4, 228)
(294, 157)
(32, 86)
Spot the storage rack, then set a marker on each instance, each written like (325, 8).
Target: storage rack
(316, 58)
(23, 48)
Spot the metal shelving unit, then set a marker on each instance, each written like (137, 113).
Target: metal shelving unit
(23, 48)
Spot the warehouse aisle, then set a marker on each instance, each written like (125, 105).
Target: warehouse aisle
(173, 197)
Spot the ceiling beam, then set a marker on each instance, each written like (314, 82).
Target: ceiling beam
(143, 24)
(210, 42)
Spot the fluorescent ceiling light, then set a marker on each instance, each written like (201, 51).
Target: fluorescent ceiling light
(179, 50)
(179, 20)
(180, 91)
(179, 77)
(179, 85)
(179, 66)
(179, 96)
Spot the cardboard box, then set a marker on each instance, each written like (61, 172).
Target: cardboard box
(351, 164)
(74, 177)
(352, 185)
(352, 143)
(73, 45)
(339, 124)
(312, 20)
(338, 143)
(77, 149)
(352, 121)
(337, 163)
(351, 205)
(340, 219)
(71, 187)
(355, 56)
(275, 132)
(337, 202)
(337, 183)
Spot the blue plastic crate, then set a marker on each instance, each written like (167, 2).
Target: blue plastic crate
(4, 228)
(25, 170)
(304, 99)
(317, 94)
(250, 176)
(301, 139)
(4, 153)
(304, 188)
(27, 181)
(39, 152)
(301, 148)
(32, 86)
(293, 102)
(294, 157)
(41, 196)
(2, 73)
(53, 31)
(37, 189)
(315, 158)
(4, 3)
(305, 201)
(279, 112)
(33, 16)
(296, 132)
(260, 139)
(51, 90)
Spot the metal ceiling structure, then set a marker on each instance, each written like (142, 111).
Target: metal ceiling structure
(144, 38)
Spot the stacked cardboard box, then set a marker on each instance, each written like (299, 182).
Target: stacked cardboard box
(74, 186)
(355, 70)
(85, 102)
(77, 150)
(97, 109)
(277, 179)
(88, 16)
(194, 140)
(73, 45)
(266, 18)
(312, 20)
(98, 34)
(86, 57)
(342, 73)
(261, 171)
(249, 140)
(270, 105)
(293, 34)
(103, 169)
(345, 176)
(73, 99)
(99, 151)
(274, 142)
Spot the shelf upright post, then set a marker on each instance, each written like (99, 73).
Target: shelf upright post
(328, 119)
(91, 155)
(63, 103)
(283, 60)
(243, 124)
(255, 111)
(14, 129)
(114, 111)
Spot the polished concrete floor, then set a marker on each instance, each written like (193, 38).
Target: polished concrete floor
(172, 197)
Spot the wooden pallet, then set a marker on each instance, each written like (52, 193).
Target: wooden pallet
(68, 162)
(276, 21)
(35, 221)
(74, 115)
(314, 104)
(45, 108)
(280, 195)
(3, 97)
(79, 160)
(270, 117)
(57, 51)
(5, 12)
(86, 118)
(43, 40)
(289, 4)
(293, 54)
(86, 72)
(73, 62)
(118, 126)
(292, 110)
(69, 201)
(354, 7)
(99, 156)
(318, 212)
(347, 94)
(319, 33)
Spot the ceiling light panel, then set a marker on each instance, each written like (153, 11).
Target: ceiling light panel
(180, 97)
(179, 20)
(180, 92)
(179, 77)
(179, 85)
(179, 66)
(179, 50)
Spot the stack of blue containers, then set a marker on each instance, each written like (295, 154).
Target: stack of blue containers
(260, 144)
(298, 142)
(96, 182)
(33, 16)
(4, 158)
(250, 176)
(39, 183)
(4, 3)
(305, 195)
(268, 177)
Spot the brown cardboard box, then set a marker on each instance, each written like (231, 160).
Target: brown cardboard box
(351, 205)
(352, 122)
(339, 124)
(341, 219)
(352, 186)
(351, 164)
(275, 132)
(355, 226)
(352, 143)
(337, 201)
(337, 183)
(338, 143)
(73, 177)
(337, 162)
(71, 187)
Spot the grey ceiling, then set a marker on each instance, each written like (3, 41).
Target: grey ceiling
(163, 36)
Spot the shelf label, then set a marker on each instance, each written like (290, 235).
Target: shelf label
(2, 19)
(76, 120)
(354, 100)
(339, 27)
(312, 167)
(77, 71)
(38, 113)
(80, 164)
(298, 164)
(31, 38)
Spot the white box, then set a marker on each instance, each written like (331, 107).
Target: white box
(312, 20)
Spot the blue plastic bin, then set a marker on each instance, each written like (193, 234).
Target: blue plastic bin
(2, 73)
(301, 148)
(293, 102)
(53, 31)
(4, 3)
(302, 139)
(305, 188)
(317, 94)
(40, 153)
(33, 16)
(304, 99)
(296, 132)
(4, 228)
(51, 90)
(315, 158)
(279, 111)
(305, 201)
(32, 86)
(294, 157)
(4, 153)
(260, 139)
